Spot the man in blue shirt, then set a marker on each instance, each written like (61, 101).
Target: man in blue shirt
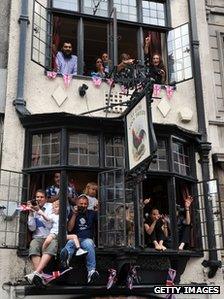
(66, 62)
(82, 223)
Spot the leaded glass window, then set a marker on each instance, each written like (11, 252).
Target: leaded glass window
(181, 158)
(161, 163)
(114, 152)
(153, 13)
(126, 9)
(92, 7)
(179, 58)
(45, 149)
(83, 150)
(116, 210)
(71, 5)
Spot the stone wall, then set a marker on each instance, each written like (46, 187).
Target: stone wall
(4, 31)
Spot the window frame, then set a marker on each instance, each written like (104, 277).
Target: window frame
(41, 145)
(172, 178)
(69, 132)
(80, 33)
(220, 40)
(108, 132)
(81, 17)
(190, 55)
(64, 148)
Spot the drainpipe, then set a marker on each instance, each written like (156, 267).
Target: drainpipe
(19, 102)
(204, 148)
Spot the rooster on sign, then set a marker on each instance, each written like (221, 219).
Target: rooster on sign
(138, 139)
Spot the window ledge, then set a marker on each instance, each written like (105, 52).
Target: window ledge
(148, 251)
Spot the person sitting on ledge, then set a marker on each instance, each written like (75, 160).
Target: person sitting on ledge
(40, 257)
(54, 219)
(82, 223)
(184, 220)
(156, 230)
(65, 61)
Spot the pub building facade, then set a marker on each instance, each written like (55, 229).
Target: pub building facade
(79, 129)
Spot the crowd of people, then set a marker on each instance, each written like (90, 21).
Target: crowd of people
(43, 222)
(66, 63)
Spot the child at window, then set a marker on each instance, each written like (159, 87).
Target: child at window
(155, 229)
(54, 219)
(90, 191)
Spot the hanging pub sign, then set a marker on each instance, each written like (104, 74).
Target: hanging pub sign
(140, 138)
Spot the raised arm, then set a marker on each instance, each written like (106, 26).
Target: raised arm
(150, 228)
(187, 203)
(44, 215)
(147, 44)
(31, 220)
(71, 222)
(124, 64)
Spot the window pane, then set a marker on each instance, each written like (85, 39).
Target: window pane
(45, 149)
(89, 7)
(161, 163)
(85, 151)
(116, 222)
(179, 59)
(126, 10)
(66, 4)
(153, 13)
(114, 154)
(181, 158)
(41, 36)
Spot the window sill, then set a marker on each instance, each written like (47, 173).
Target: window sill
(136, 251)
(148, 251)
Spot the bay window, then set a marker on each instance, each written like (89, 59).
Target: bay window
(90, 155)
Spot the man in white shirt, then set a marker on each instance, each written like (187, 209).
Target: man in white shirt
(40, 229)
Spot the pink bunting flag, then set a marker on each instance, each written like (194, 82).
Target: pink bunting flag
(123, 89)
(56, 274)
(97, 81)
(170, 282)
(23, 208)
(139, 87)
(156, 90)
(67, 79)
(110, 81)
(51, 75)
(169, 91)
